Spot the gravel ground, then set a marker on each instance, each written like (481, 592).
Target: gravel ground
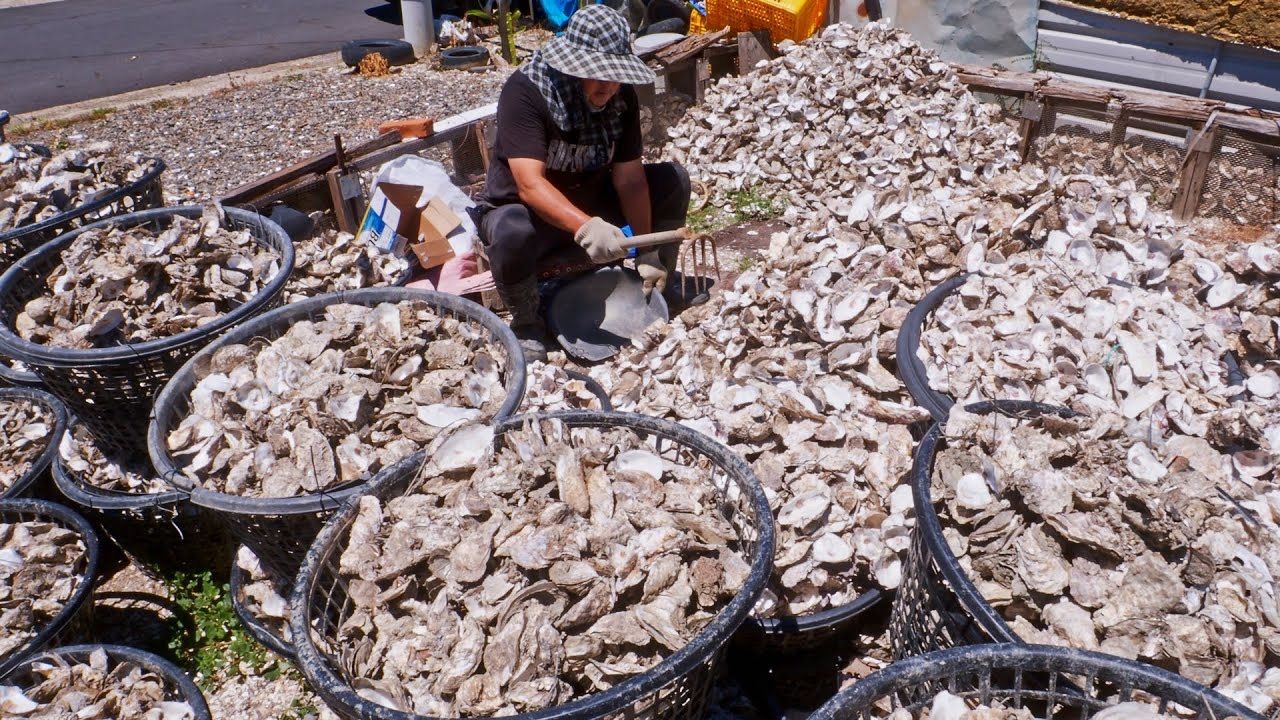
(217, 142)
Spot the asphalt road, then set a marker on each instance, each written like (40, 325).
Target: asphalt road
(71, 50)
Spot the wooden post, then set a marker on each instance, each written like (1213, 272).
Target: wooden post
(508, 43)
(702, 79)
(1032, 113)
(1194, 169)
(752, 48)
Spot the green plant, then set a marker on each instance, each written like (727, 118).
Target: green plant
(752, 204)
(704, 220)
(216, 640)
(745, 263)
(300, 709)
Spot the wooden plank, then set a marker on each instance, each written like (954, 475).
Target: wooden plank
(1194, 170)
(690, 47)
(315, 165)
(1032, 114)
(341, 208)
(754, 48)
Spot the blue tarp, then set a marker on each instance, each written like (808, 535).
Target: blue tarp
(558, 12)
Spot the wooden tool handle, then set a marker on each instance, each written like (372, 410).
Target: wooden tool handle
(658, 238)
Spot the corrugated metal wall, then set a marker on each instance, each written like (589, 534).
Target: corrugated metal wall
(1114, 50)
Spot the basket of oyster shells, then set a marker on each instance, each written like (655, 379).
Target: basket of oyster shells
(1099, 533)
(149, 520)
(577, 564)
(48, 564)
(1022, 682)
(31, 425)
(331, 261)
(100, 681)
(276, 423)
(43, 195)
(258, 598)
(106, 314)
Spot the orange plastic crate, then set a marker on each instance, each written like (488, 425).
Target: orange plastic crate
(784, 19)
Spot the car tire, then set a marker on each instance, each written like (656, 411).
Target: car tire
(467, 56)
(397, 52)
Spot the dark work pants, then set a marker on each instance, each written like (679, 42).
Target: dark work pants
(515, 238)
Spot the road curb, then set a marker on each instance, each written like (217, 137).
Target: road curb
(89, 109)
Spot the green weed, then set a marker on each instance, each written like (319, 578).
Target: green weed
(217, 642)
(751, 203)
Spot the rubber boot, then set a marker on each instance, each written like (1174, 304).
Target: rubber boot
(521, 300)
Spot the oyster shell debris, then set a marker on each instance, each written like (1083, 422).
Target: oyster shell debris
(946, 706)
(35, 188)
(549, 387)
(332, 401)
(96, 688)
(558, 565)
(262, 596)
(117, 285)
(40, 569)
(330, 261)
(81, 455)
(1119, 535)
(25, 426)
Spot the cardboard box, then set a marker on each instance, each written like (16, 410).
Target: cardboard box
(391, 220)
(436, 223)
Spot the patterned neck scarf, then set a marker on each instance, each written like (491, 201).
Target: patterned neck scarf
(569, 107)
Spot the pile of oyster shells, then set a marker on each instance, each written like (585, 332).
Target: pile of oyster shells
(86, 461)
(1151, 165)
(96, 688)
(549, 388)
(25, 426)
(122, 285)
(561, 564)
(260, 594)
(35, 187)
(334, 400)
(41, 565)
(1123, 535)
(329, 261)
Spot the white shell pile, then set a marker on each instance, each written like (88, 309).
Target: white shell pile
(25, 426)
(788, 369)
(515, 579)
(35, 188)
(260, 595)
(549, 388)
(130, 285)
(946, 706)
(96, 689)
(87, 462)
(1124, 536)
(334, 400)
(330, 261)
(40, 564)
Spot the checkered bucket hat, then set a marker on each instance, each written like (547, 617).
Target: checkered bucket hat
(597, 46)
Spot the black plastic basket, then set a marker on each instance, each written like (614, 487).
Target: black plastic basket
(257, 629)
(793, 635)
(279, 530)
(911, 371)
(150, 528)
(75, 614)
(676, 689)
(1053, 682)
(937, 606)
(11, 376)
(179, 687)
(141, 194)
(30, 481)
(111, 389)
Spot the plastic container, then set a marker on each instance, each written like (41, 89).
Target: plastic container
(676, 688)
(75, 613)
(141, 194)
(784, 19)
(1052, 682)
(31, 480)
(179, 687)
(279, 530)
(111, 389)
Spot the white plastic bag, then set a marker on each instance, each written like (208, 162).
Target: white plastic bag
(434, 181)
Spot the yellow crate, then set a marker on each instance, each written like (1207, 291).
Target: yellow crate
(784, 19)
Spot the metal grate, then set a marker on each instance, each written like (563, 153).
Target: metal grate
(1242, 184)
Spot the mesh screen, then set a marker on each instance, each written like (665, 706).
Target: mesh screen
(1242, 184)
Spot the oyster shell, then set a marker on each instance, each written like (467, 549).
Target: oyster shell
(332, 401)
(1176, 568)
(41, 564)
(81, 455)
(25, 427)
(330, 261)
(484, 590)
(35, 187)
(95, 688)
(262, 595)
(116, 285)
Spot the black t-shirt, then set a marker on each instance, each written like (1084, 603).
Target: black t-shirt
(527, 130)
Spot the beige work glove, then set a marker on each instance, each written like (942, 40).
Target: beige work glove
(653, 271)
(603, 242)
